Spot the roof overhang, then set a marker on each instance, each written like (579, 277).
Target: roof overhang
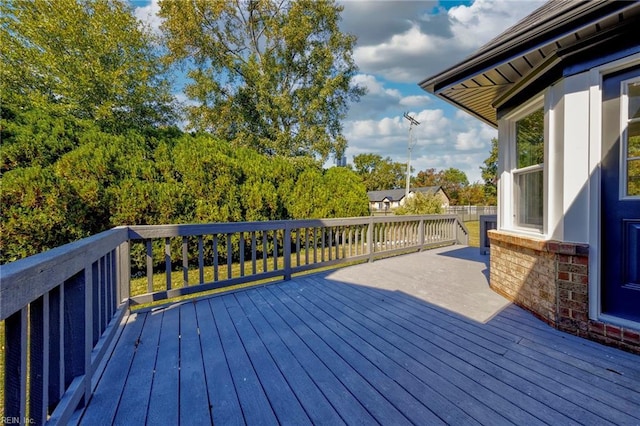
(529, 50)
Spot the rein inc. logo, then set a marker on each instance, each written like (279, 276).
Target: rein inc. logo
(17, 421)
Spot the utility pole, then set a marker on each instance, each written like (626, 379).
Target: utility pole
(412, 122)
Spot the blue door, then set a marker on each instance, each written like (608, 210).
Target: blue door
(620, 209)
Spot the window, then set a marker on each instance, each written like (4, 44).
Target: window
(631, 151)
(528, 175)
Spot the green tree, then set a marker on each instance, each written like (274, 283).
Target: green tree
(473, 195)
(420, 203)
(269, 74)
(490, 174)
(427, 177)
(89, 59)
(379, 173)
(347, 194)
(452, 180)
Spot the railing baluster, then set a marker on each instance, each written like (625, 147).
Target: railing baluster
(167, 261)
(200, 259)
(297, 231)
(265, 252)
(185, 262)
(306, 245)
(55, 348)
(95, 283)
(215, 257)
(275, 250)
(15, 378)
(229, 256)
(315, 245)
(253, 253)
(241, 253)
(39, 357)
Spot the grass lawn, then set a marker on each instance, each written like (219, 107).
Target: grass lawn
(474, 233)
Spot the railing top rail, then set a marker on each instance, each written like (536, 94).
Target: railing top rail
(178, 230)
(23, 281)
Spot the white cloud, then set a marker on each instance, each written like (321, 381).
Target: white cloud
(415, 101)
(430, 39)
(148, 14)
(440, 142)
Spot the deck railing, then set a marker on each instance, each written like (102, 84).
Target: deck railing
(62, 308)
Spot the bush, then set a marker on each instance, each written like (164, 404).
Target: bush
(420, 203)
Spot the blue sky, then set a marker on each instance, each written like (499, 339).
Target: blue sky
(400, 43)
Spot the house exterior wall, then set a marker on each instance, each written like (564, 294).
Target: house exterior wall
(555, 272)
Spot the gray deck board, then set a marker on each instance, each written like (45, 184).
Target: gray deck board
(194, 399)
(384, 343)
(347, 406)
(137, 390)
(315, 403)
(226, 410)
(165, 392)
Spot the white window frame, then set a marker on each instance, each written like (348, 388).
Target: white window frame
(624, 122)
(512, 172)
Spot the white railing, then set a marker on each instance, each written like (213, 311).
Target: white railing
(62, 308)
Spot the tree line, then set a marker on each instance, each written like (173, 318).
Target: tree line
(93, 137)
(379, 173)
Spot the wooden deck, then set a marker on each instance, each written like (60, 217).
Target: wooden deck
(373, 343)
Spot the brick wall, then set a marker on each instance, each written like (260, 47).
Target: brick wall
(551, 280)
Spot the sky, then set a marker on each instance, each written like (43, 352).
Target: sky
(401, 43)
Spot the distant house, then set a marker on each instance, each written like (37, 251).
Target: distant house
(563, 89)
(386, 201)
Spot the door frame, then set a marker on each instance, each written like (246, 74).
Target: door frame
(596, 77)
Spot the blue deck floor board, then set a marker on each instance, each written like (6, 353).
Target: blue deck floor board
(425, 366)
(449, 344)
(344, 402)
(225, 408)
(283, 400)
(375, 403)
(366, 360)
(194, 399)
(362, 345)
(165, 393)
(135, 396)
(253, 400)
(316, 405)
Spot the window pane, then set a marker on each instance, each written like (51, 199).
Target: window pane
(633, 140)
(633, 177)
(529, 195)
(634, 100)
(530, 139)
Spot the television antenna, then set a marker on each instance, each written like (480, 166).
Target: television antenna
(412, 122)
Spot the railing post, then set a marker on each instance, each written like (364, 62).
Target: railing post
(286, 249)
(421, 233)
